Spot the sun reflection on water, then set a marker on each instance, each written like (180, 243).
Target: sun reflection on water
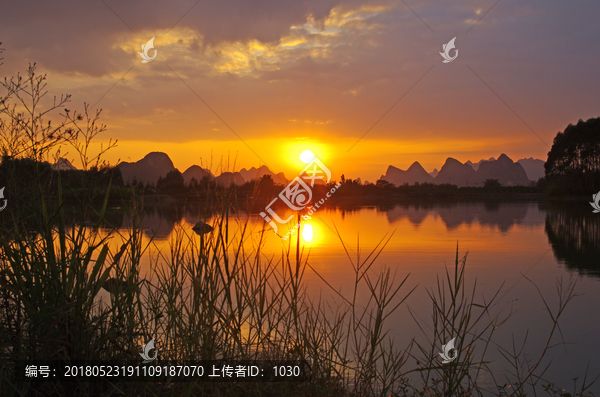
(307, 233)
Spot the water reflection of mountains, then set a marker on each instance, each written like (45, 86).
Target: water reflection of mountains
(492, 214)
(573, 231)
(155, 222)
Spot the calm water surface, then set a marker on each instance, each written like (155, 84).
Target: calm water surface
(507, 244)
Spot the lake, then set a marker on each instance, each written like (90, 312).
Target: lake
(512, 245)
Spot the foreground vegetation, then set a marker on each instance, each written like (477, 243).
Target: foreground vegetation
(215, 298)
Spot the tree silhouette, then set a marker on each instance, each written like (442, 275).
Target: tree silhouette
(266, 186)
(573, 164)
(171, 183)
(385, 185)
(492, 184)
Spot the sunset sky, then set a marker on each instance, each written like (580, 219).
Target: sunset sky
(285, 76)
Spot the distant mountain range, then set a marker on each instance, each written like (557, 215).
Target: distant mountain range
(533, 167)
(157, 165)
(254, 173)
(63, 165)
(147, 170)
(196, 172)
(414, 173)
(507, 172)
